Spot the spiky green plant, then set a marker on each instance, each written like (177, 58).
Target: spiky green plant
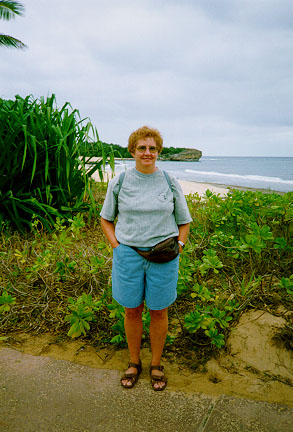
(41, 171)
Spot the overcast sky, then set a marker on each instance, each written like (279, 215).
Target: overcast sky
(216, 75)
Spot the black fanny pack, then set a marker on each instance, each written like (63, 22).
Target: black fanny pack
(162, 252)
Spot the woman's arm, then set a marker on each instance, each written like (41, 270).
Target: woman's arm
(183, 233)
(108, 228)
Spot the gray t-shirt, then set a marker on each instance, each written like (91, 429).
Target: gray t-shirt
(148, 211)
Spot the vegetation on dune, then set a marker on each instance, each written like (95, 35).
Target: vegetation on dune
(238, 257)
(42, 172)
(56, 267)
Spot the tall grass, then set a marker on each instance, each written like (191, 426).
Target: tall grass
(42, 173)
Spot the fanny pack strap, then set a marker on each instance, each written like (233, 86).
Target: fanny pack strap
(145, 254)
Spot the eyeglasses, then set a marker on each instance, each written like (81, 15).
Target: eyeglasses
(142, 149)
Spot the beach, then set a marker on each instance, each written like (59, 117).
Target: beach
(200, 188)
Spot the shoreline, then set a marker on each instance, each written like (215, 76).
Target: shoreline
(192, 187)
(222, 188)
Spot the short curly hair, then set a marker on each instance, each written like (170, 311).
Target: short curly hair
(143, 133)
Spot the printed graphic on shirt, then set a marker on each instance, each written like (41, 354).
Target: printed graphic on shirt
(162, 197)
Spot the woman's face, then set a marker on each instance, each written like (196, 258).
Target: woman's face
(145, 155)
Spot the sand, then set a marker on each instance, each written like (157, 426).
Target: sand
(200, 188)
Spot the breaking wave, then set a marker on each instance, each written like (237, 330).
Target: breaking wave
(258, 178)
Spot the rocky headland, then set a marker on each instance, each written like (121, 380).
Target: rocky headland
(187, 155)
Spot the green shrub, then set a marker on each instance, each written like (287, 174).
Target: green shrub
(6, 300)
(81, 313)
(41, 171)
(238, 257)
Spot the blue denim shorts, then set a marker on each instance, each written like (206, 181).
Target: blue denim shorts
(135, 279)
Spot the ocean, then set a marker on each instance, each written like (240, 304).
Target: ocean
(271, 173)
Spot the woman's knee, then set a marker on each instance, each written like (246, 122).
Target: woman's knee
(134, 313)
(159, 314)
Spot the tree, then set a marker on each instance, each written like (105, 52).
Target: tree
(8, 10)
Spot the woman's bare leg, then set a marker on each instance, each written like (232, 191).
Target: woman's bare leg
(133, 330)
(158, 333)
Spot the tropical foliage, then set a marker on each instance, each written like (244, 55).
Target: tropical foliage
(238, 257)
(42, 172)
(96, 148)
(8, 10)
(171, 150)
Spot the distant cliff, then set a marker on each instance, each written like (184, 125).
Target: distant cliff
(187, 155)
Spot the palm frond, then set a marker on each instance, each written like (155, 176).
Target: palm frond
(8, 9)
(11, 42)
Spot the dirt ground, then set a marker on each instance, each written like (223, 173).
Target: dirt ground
(255, 368)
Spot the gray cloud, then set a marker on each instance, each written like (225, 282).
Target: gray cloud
(210, 74)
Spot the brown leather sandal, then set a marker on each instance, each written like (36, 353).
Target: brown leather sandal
(155, 379)
(133, 377)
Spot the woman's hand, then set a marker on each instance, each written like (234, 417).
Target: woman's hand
(108, 228)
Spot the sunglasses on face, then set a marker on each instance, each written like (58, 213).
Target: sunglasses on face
(142, 149)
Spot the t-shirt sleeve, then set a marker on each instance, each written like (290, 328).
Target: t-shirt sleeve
(110, 207)
(181, 211)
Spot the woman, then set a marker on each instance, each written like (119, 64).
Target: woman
(148, 212)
